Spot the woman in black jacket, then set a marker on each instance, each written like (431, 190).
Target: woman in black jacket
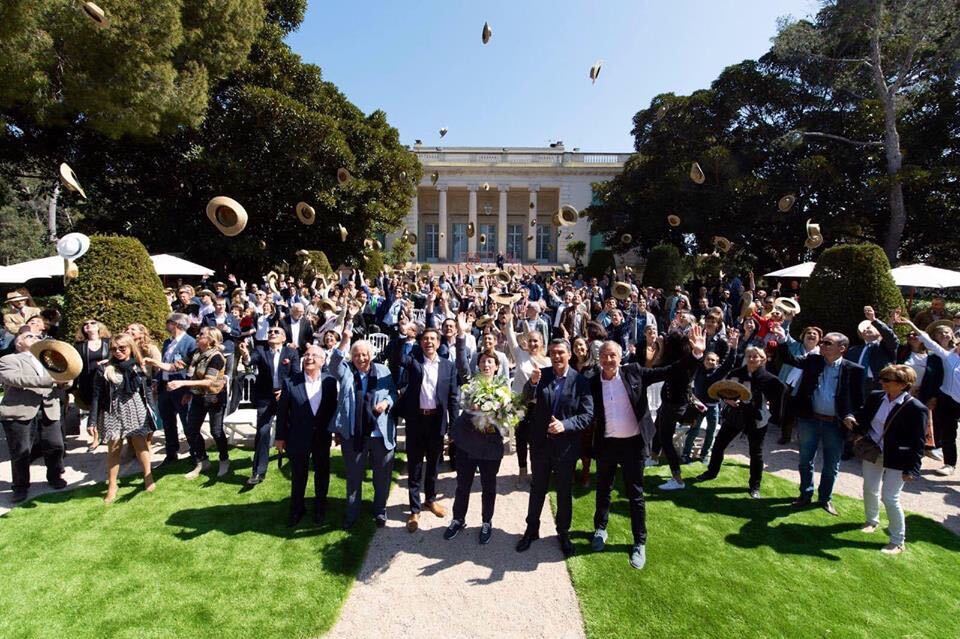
(92, 341)
(674, 397)
(743, 415)
(895, 422)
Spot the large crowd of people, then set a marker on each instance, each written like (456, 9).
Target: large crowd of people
(595, 369)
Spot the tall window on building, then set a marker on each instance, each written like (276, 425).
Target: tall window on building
(488, 250)
(458, 249)
(515, 242)
(545, 242)
(431, 241)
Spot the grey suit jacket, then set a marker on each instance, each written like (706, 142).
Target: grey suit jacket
(25, 392)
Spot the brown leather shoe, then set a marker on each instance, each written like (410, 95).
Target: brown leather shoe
(413, 522)
(436, 508)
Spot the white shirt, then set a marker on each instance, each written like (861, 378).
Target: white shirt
(621, 421)
(880, 419)
(276, 369)
(313, 386)
(168, 356)
(294, 331)
(428, 387)
(951, 367)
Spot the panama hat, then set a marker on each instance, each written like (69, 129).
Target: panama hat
(863, 325)
(621, 290)
(59, 359)
(486, 186)
(343, 232)
(70, 271)
(471, 229)
(786, 202)
(747, 307)
(343, 175)
(728, 389)
(96, 14)
(368, 243)
(328, 305)
(529, 238)
(565, 267)
(814, 237)
(570, 236)
(227, 215)
(483, 320)
(486, 34)
(722, 244)
(443, 131)
(306, 213)
(673, 220)
(932, 326)
(505, 298)
(697, 174)
(483, 238)
(16, 296)
(533, 222)
(626, 238)
(272, 278)
(73, 246)
(595, 71)
(69, 179)
(434, 177)
(503, 276)
(566, 215)
(787, 305)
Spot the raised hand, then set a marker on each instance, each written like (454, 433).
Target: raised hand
(698, 343)
(462, 325)
(869, 313)
(535, 376)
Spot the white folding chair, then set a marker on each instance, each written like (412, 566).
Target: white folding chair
(379, 342)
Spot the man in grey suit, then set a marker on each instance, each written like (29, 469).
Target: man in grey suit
(30, 396)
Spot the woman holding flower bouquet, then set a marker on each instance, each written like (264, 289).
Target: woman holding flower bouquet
(491, 411)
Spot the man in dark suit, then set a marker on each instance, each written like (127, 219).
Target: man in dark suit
(429, 402)
(275, 364)
(563, 407)
(298, 328)
(879, 349)
(229, 327)
(177, 351)
(831, 389)
(306, 407)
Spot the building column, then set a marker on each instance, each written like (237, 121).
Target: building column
(502, 221)
(472, 218)
(531, 230)
(442, 240)
(413, 225)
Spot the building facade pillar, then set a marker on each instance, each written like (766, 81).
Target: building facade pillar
(502, 220)
(531, 229)
(443, 234)
(472, 219)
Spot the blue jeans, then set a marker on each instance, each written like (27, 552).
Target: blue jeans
(812, 432)
(712, 415)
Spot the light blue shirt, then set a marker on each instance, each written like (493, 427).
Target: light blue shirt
(825, 395)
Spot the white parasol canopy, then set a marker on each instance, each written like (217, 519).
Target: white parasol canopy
(923, 276)
(800, 270)
(47, 267)
(165, 264)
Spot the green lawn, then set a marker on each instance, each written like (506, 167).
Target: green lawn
(194, 559)
(722, 565)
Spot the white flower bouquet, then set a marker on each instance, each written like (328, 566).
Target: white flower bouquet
(493, 407)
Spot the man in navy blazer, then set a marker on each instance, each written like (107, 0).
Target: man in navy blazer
(563, 407)
(429, 402)
(177, 350)
(306, 407)
(275, 364)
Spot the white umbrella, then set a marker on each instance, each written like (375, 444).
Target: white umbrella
(800, 270)
(47, 267)
(923, 276)
(165, 264)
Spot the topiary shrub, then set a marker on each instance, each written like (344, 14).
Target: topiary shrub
(117, 285)
(601, 261)
(399, 252)
(847, 278)
(373, 264)
(664, 267)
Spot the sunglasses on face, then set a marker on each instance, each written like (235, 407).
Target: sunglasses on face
(274, 332)
(888, 380)
(118, 349)
(825, 342)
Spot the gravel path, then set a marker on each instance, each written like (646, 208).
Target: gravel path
(419, 583)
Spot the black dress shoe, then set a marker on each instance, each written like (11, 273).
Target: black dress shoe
(167, 461)
(801, 502)
(528, 538)
(381, 521)
(350, 523)
(566, 546)
(319, 516)
(57, 484)
(254, 480)
(19, 496)
(294, 518)
(707, 476)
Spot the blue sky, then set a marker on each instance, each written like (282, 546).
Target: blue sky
(423, 63)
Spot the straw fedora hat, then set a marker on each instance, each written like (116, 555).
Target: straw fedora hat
(722, 244)
(621, 290)
(343, 232)
(697, 174)
(565, 267)
(747, 307)
(227, 215)
(483, 321)
(863, 325)
(673, 220)
(729, 389)
(328, 305)
(503, 276)
(73, 246)
(932, 326)
(505, 298)
(814, 236)
(626, 238)
(785, 203)
(471, 229)
(70, 271)
(434, 177)
(272, 278)
(96, 14)
(17, 296)
(483, 238)
(69, 180)
(343, 176)
(566, 216)
(306, 213)
(787, 305)
(595, 71)
(61, 360)
(368, 243)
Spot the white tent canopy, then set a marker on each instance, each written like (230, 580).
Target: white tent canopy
(800, 270)
(923, 276)
(48, 267)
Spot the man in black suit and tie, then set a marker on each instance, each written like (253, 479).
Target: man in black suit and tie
(275, 363)
(298, 328)
(429, 402)
(563, 407)
(307, 404)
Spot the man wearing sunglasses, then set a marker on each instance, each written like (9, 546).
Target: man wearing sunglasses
(831, 389)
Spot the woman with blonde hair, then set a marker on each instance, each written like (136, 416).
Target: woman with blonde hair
(92, 341)
(149, 350)
(533, 356)
(206, 379)
(121, 408)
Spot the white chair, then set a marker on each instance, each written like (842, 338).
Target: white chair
(379, 342)
(420, 315)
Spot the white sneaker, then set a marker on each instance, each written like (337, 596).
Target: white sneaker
(946, 471)
(224, 468)
(199, 468)
(892, 549)
(673, 484)
(935, 454)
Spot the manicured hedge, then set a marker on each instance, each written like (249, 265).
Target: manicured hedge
(664, 267)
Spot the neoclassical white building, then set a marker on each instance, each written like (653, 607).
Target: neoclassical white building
(510, 195)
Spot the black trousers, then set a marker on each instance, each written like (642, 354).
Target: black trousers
(300, 467)
(626, 453)
(170, 404)
(424, 448)
(266, 411)
(667, 417)
(522, 434)
(22, 435)
(198, 411)
(945, 417)
(467, 468)
(545, 463)
(729, 429)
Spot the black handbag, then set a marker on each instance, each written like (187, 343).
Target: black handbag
(868, 450)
